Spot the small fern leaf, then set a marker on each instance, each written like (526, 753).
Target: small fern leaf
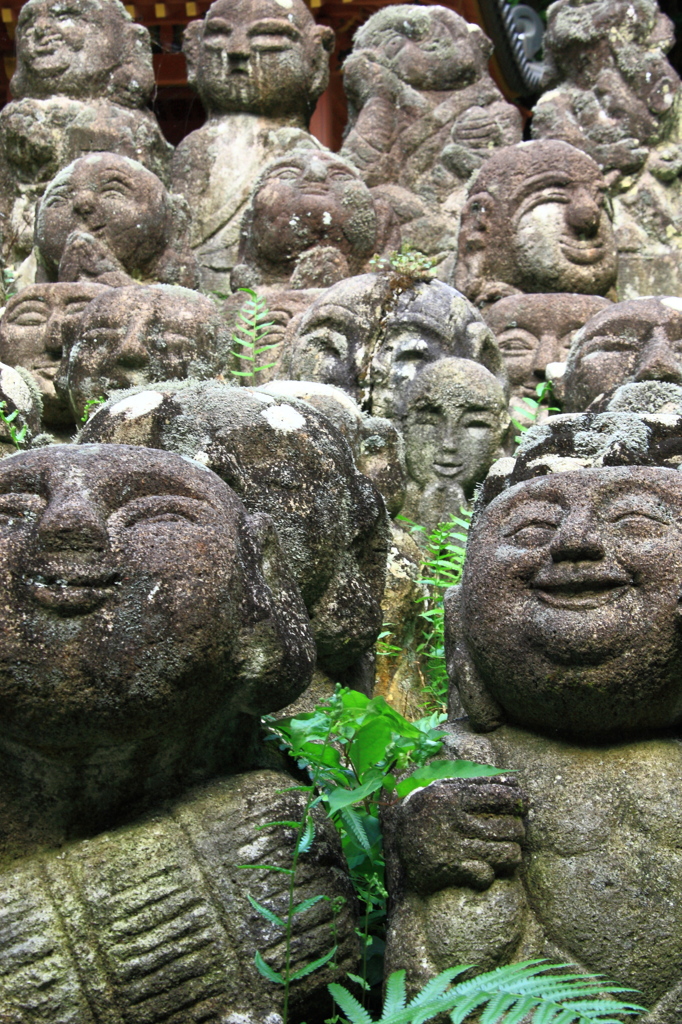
(267, 971)
(306, 840)
(523, 1006)
(438, 985)
(395, 994)
(314, 966)
(301, 908)
(354, 1011)
(269, 915)
(353, 823)
(498, 1005)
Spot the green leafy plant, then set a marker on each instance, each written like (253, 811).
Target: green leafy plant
(250, 334)
(7, 283)
(527, 991)
(17, 436)
(406, 262)
(444, 552)
(529, 413)
(361, 753)
(90, 407)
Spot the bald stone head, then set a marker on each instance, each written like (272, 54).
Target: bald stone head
(265, 57)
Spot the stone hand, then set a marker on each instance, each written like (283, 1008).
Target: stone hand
(460, 832)
(86, 258)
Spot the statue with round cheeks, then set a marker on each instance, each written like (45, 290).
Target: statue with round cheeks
(284, 459)
(533, 331)
(536, 220)
(128, 337)
(33, 332)
(85, 49)
(454, 427)
(583, 638)
(151, 618)
(106, 218)
(259, 57)
(629, 342)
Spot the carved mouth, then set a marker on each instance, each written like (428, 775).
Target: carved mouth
(447, 468)
(582, 253)
(314, 190)
(72, 592)
(578, 595)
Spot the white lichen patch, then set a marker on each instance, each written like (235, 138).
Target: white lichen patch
(137, 405)
(283, 417)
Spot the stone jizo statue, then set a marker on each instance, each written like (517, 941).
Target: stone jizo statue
(106, 218)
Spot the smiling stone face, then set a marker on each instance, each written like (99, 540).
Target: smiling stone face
(629, 342)
(583, 636)
(131, 576)
(259, 57)
(32, 335)
(132, 336)
(536, 221)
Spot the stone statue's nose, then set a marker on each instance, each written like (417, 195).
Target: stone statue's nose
(577, 541)
(659, 361)
(317, 171)
(84, 203)
(583, 212)
(133, 352)
(72, 522)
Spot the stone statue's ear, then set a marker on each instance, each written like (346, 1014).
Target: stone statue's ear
(481, 40)
(191, 42)
(467, 692)
(323, 37)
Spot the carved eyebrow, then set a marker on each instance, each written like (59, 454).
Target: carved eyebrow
(273, 27)
(117, 178)
(36, 301)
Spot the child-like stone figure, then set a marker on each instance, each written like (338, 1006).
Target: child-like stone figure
(33, 334)
(611, 91)
(454, 427)
(106, 218)
(259, 69)
(128, 337)
(83, 78)
(148, 621)
(564, 648)
(311, 222)
(424, 111)
(536, 220)
(631, 341)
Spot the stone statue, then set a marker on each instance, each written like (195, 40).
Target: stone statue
(423, 111)
(311, 222)
(83, 78)
(371, 335)
(149, 621)
(535, 220)
(21, 405)
(285, 459)
(454, 426)
(32, 335)
(127, 337)
(631, 341)
(259, 68)
(612, 93)
(534, 331)
(106, 218)
(564, 645)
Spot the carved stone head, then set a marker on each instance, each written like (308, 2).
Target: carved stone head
(33, 333)
(128, 337)
(285, 459)
(305, 201)
(84, 49)
(144, 605)
(367, 334)
(631, 341)
(535, 330)
(259, 57)
(535, 220)
(454, 426)
(429, 48)
(107, 218)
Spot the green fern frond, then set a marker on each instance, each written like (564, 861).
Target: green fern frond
(508, 995)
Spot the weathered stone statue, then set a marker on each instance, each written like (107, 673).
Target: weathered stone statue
(372, 334)
(149, 621)
(535, 220)
(613, 94)
(631, 341)
(455, 423)
(106, 218)
(534, 331)
(424, 112)
(259, 68)
(33, 334)
(83, 77)
(127, 337)
(570, 675)
(285, 459)
(311, 222)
